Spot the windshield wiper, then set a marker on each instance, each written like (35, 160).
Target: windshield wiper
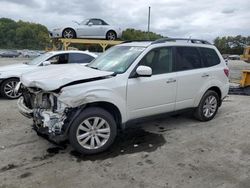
(96, 68)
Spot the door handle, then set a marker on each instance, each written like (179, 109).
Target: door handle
(205, 75)
(171, 80)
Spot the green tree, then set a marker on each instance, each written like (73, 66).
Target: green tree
(231, 44)
(133, 34)
(22, 35)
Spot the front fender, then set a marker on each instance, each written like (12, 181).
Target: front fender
(80, 96)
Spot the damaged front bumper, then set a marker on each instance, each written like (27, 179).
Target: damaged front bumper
(52, 123)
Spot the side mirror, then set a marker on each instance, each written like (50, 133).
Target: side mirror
(90, 24)
(46, 63)
(144, 71)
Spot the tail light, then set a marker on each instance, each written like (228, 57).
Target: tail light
(226, 71)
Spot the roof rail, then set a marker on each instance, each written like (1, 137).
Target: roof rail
(128, 41)
(199, 41)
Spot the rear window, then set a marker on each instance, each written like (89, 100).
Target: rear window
(210, 57)
(187, 58)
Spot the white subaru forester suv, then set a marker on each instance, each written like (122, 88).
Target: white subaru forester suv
(131, 81)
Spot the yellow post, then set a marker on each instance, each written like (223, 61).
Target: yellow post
(104, 46)
(102, 43)
(66, 45)
(245, 78)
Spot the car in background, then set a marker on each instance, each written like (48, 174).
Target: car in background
(89, 28)
(234, 57)
(30, 54)
(10, 74)
(9, 53)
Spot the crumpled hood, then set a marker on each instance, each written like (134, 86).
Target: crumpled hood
(52, 77)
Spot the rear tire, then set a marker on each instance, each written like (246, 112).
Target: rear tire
(208, 106)
(7, 89)
(93, 131)
(111, 35)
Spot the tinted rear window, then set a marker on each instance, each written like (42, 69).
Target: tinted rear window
(210, 57)
(187, 58)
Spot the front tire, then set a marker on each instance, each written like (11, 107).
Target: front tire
(8, 89)
(93, 131)
(208, 106)
(69, 33)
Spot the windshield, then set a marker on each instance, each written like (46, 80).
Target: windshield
(84, 22)
(117, 59)
(39, 59)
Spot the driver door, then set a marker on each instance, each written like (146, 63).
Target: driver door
(156, 94)
(93, 28)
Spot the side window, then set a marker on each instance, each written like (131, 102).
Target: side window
(59, 59)
(159, 60)
(210, 57)
(96, 22)
(79, 58)
(187, 58)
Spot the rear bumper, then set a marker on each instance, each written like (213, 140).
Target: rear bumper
(119, 34)
(23, 109)
(224, 91)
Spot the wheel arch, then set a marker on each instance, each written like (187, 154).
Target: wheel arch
(200, 94)
(218, 91)
(12, 77)
(69, 28)
(111, 30)
(111, 108)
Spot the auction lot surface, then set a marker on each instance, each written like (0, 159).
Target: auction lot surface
(173, 152)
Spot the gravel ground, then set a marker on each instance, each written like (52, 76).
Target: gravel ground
(174, 152)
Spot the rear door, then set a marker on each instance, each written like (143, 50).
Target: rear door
(156, 94)
(191, 75)
(80, 58)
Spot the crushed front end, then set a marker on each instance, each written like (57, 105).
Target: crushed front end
(50, 117)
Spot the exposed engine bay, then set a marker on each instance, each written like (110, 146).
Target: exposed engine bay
(48, 114)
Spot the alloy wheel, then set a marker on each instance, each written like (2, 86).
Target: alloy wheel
(93, 133)
(210, 106)
(68, 33)
(9, 89)
(111, 36)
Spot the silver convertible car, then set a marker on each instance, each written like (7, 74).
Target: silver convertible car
(89, 28)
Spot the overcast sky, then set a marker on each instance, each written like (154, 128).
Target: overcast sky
(174, 18)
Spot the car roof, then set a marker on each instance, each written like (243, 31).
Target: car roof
(73, 51)
(167, 43)
(139, 44)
